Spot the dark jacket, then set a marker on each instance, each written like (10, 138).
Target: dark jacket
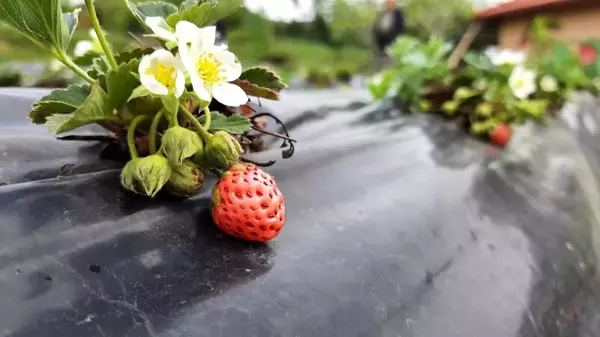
(383, 39)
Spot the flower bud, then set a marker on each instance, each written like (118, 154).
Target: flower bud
(185, 179)
(222, 151)
(450, 107)
(146, 175)
(180, 143)
(463, 94)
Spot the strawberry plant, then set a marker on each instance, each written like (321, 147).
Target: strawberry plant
(415, 67)
(173, 107)
(492, 90)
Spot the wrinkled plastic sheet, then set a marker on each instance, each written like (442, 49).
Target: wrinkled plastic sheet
(398, 225)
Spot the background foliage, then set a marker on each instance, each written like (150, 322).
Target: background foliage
(335, 43)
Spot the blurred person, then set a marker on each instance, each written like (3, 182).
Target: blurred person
(389, 24)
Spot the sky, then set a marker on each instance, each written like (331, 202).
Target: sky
(285, 10)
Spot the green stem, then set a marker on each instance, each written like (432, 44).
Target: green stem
(207, 118)
(100, 33)
(131, 135)
(201, 130)
(76, 69)
(153, 131)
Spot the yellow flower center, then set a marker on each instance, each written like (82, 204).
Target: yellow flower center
(164, 74)
(520, 83)
(208, 68)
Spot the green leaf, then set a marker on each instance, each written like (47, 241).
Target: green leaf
(135, 54)
(87, 59)
(96, 108)
(61, 101)
(381, 84)
(55, 122)
(188, 4)
(41, 21)
(71, 22)
(204, 13)
(101, 67)
(261, 82)
(478, 61)
(138, 92)
(234, 124)
(535, 108)
(483, 127)
(171, 103)
(121, 83)
(152, 8)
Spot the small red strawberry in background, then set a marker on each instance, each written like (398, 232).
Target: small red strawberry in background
(587, 54)
(501, 134)
(247, 204)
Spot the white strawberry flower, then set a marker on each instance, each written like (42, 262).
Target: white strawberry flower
(548, 83)
(522, 82)
(87, 46)
(504, 56)
(83, 47)
(161, 28)
(161, 73)
(210, 67)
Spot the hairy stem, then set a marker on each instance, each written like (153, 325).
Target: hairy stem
(62, 57)
(131, 135)
(201, 130)
(100, 33)
(207, 118)
(153, 131)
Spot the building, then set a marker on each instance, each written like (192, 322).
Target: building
(576, 20)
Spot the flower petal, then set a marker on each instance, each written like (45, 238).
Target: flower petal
(230, 68)
(179, 84)
(199, 88)
(160, 28)
(229, 94)
(207, 38)
(165, 57)
(187, 35)
(153, 85)
(82, 48)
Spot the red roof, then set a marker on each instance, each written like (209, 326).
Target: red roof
(520, 7)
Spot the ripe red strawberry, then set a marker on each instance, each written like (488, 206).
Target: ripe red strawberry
(247, 204)
(587, 55)
(501, 134)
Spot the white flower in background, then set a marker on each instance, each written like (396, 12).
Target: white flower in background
(491, 51)
(55, 66)
(548, 83)
(504, 56)
(522, 82)
(93, 35)
(83, 47)
(160, 28)
(210, 67)
(162, 73)
(75, 3)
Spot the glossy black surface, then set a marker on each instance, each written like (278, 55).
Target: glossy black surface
(397, 226)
